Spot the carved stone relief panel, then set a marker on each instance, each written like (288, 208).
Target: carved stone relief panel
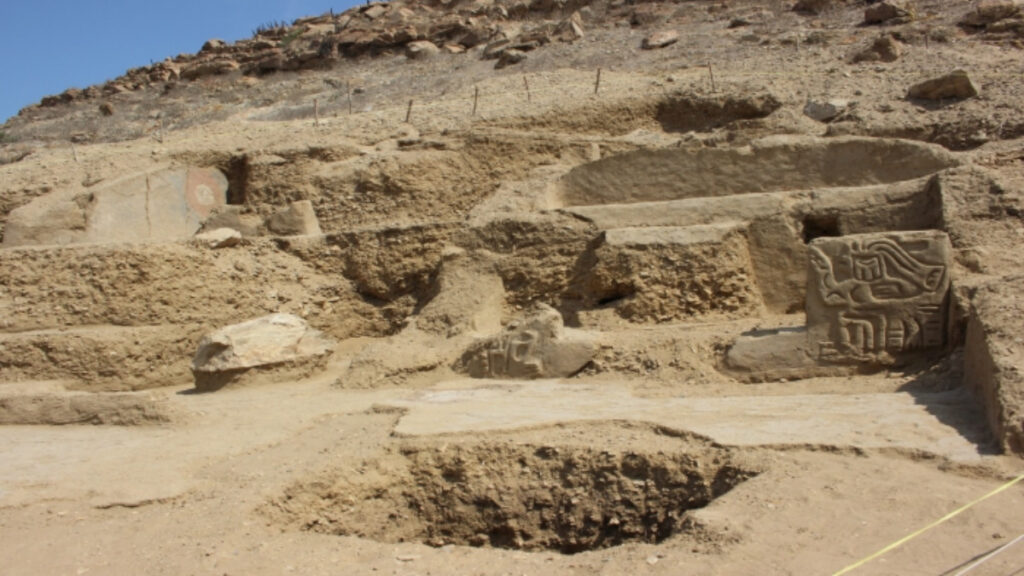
(874, 296)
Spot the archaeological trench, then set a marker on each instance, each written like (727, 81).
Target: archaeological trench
(576, 333)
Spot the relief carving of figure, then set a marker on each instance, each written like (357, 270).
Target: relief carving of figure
(880, 294)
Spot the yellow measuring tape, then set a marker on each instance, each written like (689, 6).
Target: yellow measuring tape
(910, 537)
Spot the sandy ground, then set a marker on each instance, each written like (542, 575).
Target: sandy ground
(840, 466)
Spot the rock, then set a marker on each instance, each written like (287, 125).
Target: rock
(208, 68)
(299, 219)
(870, 300)
(375, 11)
(883, 49)
(231, 216)
(268, 341)
(811, 6)
(219, 238)
(496, 48)
(537, 346)
(213, 44)
(646, 15)
(510, 57)
(570, 29)
(990, 12)
(955, 85)
(107, 109)
(660, 39)
(163, 205)
(888, 11)
(873, 296)
(454, 48)
(825, 111)
(420, 49)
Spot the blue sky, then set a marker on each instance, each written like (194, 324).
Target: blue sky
(48, 46)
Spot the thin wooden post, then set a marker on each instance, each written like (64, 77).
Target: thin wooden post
(597, 83)
(527, 85)
(348, 90)
(74, 151)
(316, 112)
(408, 111)
(476, 96)
(711, 73)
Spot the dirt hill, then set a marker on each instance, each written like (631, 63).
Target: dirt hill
(524, 287)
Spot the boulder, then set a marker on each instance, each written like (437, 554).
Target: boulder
(219, 238)
(888, 11)
(955, 85)
(208, 68)
(536, 346)
(276, 340)
(825, 110)
(660, 39)
(213, 44)
(990, 12)
(510, 57)
(420, 49)
(375, 11)
(570, 29)
(811, 6)
(298, 219)
(496, 48)
(231, 216)
(883, 49)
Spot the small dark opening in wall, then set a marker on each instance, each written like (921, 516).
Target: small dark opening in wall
(820, 226)
(237, 172)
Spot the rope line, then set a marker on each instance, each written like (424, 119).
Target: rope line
(945, 518)
(990, 555)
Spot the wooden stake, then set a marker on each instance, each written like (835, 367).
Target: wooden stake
(348, 90)
(711, 73)
(476, 96)
(74, 151)
(316, 112)
(408, 112)
(527, 84)
(597, 83)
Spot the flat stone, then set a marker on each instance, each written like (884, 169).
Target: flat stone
(421, 50)
(955, 85)
(660, 39)
(264, 341)
(219, 238)
(537, 346)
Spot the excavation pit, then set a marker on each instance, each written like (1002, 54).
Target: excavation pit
(527, 497)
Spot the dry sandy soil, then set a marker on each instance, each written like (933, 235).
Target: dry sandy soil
(665, 214)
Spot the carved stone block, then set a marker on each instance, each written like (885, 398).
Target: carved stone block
(537, 346)
(871, 297)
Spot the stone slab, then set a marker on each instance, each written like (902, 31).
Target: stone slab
(874, 296)
(162, 205)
